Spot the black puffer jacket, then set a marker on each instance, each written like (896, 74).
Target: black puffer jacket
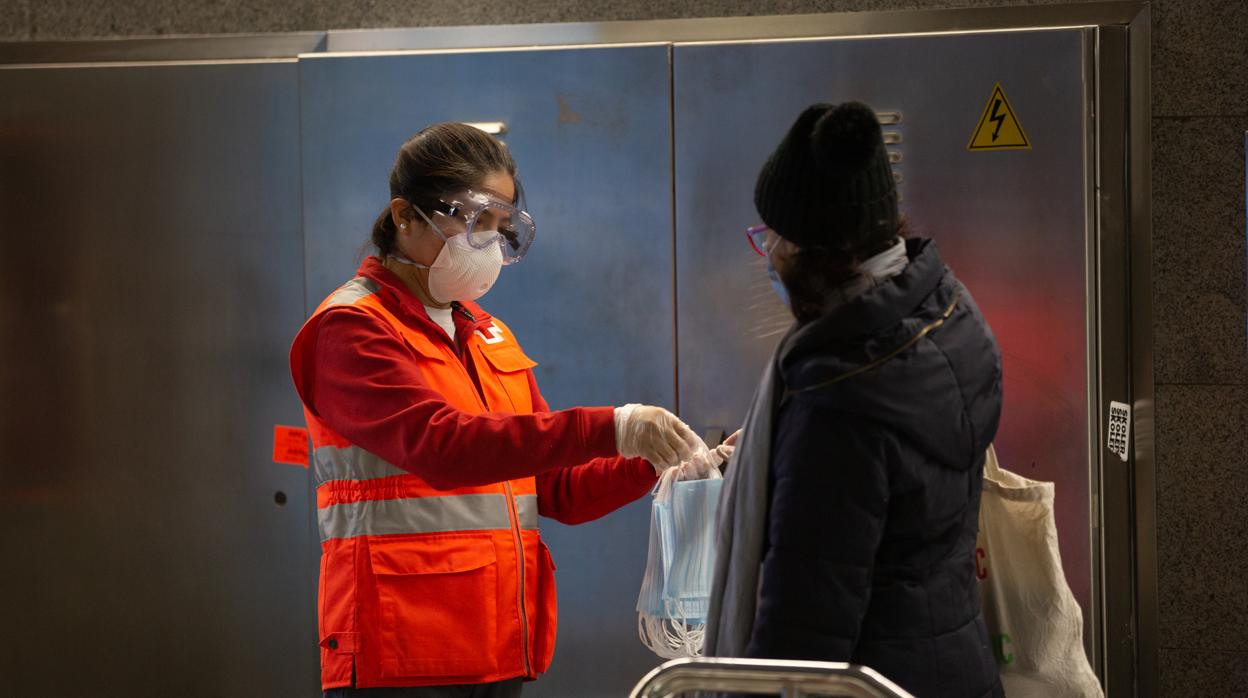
(875, 478)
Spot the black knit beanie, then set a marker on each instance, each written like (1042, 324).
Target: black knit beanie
(828, 184)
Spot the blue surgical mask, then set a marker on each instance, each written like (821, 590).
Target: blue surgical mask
(683, 537)
(777, 284)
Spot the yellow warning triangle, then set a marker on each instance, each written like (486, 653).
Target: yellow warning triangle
(999, 127)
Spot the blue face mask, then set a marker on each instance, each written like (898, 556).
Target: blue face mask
(683, 537)
(777, 284)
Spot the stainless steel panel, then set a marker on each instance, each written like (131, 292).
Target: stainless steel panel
(734, 28)
(152, 281)
(593, 302)
(1012, 224)
(164, 48)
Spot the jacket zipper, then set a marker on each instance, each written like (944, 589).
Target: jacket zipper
(459, 308)
(512, 514)
(462, 350)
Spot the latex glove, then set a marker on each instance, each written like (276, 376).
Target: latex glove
(653, 433)
(699, 466)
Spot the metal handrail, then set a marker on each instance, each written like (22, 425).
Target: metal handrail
(790, 679)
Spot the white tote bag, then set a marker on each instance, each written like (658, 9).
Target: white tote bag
(1035, 623)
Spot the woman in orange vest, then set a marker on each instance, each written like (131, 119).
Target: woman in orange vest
(433, 451)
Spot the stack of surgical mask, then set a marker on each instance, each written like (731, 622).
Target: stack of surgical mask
(675, 591)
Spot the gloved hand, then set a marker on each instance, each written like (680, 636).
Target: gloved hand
(653, 433)
(699, 466)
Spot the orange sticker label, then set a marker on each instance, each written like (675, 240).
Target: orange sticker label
(290, 445)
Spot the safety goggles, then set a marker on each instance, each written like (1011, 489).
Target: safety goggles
(757, 235)
(486, 220)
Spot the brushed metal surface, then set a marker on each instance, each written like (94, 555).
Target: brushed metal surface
(766, 27)
(163, 48)
(592, 302)
(1012, 224)
(152, 280)
(175, 183)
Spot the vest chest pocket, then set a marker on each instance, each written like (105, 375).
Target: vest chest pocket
(441, 370)
(506, 383)
(426, 348)
(438, 597)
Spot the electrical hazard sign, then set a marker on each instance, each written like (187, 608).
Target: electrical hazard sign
(999, 127)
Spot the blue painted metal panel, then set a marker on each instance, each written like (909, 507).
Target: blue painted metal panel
(593, 302)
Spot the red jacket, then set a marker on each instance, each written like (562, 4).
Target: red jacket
(428, 457)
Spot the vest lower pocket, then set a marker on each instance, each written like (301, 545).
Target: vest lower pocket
(437, 596)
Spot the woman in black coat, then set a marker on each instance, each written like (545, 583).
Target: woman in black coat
(848, 524)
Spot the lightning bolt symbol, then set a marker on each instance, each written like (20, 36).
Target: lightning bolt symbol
(999, 118)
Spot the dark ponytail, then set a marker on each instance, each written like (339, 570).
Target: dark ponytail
(384, 234)
(439, 160)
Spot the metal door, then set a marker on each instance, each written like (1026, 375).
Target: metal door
(593, 302)
(1011, 223)
(150, 261)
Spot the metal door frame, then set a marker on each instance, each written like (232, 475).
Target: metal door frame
(1120, 329)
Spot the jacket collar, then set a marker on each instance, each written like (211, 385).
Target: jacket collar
(880, 306)
(396, 294)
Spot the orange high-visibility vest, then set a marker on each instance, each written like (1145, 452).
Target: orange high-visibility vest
(421, 586)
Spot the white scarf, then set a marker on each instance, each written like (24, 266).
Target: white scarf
(871, 272)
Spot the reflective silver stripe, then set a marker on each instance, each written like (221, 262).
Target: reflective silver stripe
(353, 291)
(526, 509)
(350, 463)
(465, 512)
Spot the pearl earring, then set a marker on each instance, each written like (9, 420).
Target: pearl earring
(403, 226)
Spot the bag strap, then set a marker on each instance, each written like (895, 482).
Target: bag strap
(992, 468)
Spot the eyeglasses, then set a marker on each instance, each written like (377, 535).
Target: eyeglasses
(757, 235)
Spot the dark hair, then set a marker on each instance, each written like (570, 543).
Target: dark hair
(814, 272)
(440, 159)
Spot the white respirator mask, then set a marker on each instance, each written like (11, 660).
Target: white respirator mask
(461, 272)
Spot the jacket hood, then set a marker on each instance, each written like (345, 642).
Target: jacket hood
(912, 353)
